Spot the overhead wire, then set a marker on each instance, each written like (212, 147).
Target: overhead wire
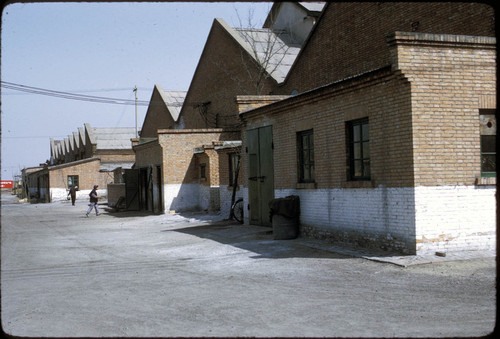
(71, 96)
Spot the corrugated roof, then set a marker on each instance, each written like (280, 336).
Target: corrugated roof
(174, 101)
(113, 138)
(81, 135)
(313, 6)
(76, 139)
(111, 166)
(275, 49)
(56, 149)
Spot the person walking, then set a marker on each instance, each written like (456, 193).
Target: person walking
(93, 201)
(72, 192)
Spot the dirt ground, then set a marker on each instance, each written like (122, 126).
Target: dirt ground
(131, 275)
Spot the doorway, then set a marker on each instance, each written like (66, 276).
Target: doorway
(260, 174)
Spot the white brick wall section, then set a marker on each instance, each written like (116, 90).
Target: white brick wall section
(204, 197)
(380, 211)
(435, 218)
(226, 193)
(455, 217)
(59, 194)
(181, 197)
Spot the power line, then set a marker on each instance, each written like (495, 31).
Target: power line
(71, 96)
(95, 90)
(32, 137)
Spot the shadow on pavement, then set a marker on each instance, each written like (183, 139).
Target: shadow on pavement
(257, 239)
(127, 214)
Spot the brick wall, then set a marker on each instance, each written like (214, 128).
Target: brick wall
(219, 77)
(117, 155)
(226, 190)
(452, 218)
(379, 211)
(178, 145)
(88, 175)
(349, 39)
(157, 116)
(450, 77)
(381, 96)
(181, 171)
(88, 172)
(424, 149)
(149, 153)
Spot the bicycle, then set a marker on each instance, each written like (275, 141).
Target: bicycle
(237, 210)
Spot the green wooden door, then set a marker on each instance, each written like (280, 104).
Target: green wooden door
(132, 189)
(260, 174)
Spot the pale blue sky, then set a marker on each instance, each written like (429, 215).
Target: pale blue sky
(97, 49)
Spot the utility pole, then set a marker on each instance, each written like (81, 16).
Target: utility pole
(136, 132)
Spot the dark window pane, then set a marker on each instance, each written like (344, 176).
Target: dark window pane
(358, 168)
(357, 151)
(356, 133)
(366, 150)
(305, 156)
(488, 163)
(488, 143)
(365, 133)
(307, 174)
(305, 153)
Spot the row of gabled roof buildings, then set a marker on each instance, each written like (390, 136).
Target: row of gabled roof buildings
(380, 116)
(90, 156)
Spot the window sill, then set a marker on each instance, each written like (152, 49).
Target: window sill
(486, 181)
(306, 185)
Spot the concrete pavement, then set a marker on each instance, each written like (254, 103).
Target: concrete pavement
(195, 275)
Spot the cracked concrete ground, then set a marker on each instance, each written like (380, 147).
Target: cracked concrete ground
(132, 275)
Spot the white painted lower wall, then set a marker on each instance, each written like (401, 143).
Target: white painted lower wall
(190, 197)
(226, 193)
(409, 220)
(452, 218)
(59, 194)
(204, 197)
(382, 216)
(181, 197)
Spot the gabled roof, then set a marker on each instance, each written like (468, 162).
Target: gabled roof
(103, 138)
(71, 143)
(112, 138)
(302, 10)
(76, 140)
(57, 149)
(163, 111)
(266, 46)
(173, 100)
(89, 133)
(67, 148)
(274, 48)
(313, 6)
(81, 135)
